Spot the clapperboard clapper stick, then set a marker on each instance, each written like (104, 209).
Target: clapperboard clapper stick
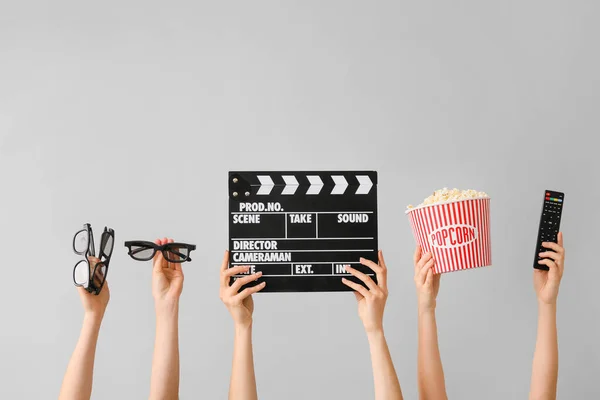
(301, 229)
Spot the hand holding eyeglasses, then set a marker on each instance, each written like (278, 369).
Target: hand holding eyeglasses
(94, 306)
(174, 252)
(86, 275)
(167, 276)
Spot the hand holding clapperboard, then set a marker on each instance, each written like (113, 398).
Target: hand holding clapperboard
(302, 230)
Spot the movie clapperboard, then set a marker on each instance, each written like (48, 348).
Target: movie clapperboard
(302, 228)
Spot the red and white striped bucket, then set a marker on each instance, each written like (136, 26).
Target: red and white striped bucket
(456, 233)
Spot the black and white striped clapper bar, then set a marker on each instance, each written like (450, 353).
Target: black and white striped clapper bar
(301, 229)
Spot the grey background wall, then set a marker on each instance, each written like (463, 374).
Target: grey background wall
(130, 113)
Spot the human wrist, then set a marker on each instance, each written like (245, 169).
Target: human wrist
(375, 334)
(375, 330)
(243, 328)
(93, 319)
(166, 307)
(546, 307)
(426, 308)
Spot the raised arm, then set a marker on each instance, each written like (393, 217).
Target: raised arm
(544, 374)
(167, 284)
(431, 381)
(242, 385)
(371, 305)
(77, 383)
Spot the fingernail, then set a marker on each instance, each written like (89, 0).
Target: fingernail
(259, 273)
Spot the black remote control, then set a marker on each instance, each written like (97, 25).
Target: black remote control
(549, 223)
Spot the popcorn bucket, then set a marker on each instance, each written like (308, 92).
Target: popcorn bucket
(457, 233)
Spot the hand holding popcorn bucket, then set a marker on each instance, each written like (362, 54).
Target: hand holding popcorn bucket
(455, 227)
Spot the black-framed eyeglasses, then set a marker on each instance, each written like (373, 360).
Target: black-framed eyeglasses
(84, 275)
(142, 250)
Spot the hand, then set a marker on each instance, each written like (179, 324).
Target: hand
(94, 305)
(546, 283)
(240, 305)
(167, 277)
(371, 301)
(426, 282)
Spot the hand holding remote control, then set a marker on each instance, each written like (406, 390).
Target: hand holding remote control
(549, 224)
(546, 283)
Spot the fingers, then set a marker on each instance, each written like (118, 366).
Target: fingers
(554, 246)
(358, 296)
(560, 239)
(422, 275)
(436, 277)
(225, 262)
(417, 257)
(549, 263)
(425, 258)
(159, 260)
(429, 277)
(250, 291)
(363, 277)
(98, 276)
(175, 266)
(557, 254)
(379, 270)
(358, 288)
(155, 260)
(237, 285)
(550, 254)
(382, 277)
(158, 243)
(178, 267)
(228, 273)
(104, 287)
(92, 261)
(381, 260)
(170, 264)
(368, 263)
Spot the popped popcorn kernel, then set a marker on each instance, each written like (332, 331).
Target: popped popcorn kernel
(446, 195)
